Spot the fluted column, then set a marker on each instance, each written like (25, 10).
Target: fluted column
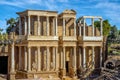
(47, 31)
(56, 59)
(79, 56)
(84, 26)
(29, 29)
(12, 58)
(56, 26)
(25, 22)
(79, 24)
(101, 28)
(64, 58)
(29, 58)
(84, 57)
(93, 30)
(74, 26)
(64, 27)
(25, 53)
(100, 56)
(93, 56)
(20, 30)
(61, 58)
(38, 21)
(20, 61)
(39, 59)
(48, 59)
(74, 58)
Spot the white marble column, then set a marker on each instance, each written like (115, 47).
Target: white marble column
(47, 31)
(100, 56)
(84, 57)
(93, 29)
(25, 23)
(61, 60)
(101, 27)
(38, 21)
(53, 26)
(12, 58)
(29, 29)
(20, 27)
(64, 64)
(20, 56)
(56, 26)
(84, 27)
(56, 59)
(25, 53)
(75, 58)
(93, 56)
(79, 56)
(39, 59)
(79, 24)
(74, 26)
(64, 27)
(29, 58)
(48, 59)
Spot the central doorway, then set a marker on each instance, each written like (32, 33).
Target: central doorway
(3, 64)
(67, 67)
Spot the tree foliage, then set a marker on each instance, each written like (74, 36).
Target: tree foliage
(106, 27)
(12, 23)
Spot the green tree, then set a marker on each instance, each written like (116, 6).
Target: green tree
(106, 27)
(12, 23)
(113, 32)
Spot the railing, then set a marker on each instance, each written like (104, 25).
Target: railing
(91, 38)
(42, 37)
(69, 38)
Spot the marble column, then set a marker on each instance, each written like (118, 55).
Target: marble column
(79, 29)
(101, 28)
(54, 64)
(38, 21)
(20, 56)
(64, 27)
(56, 59)
(93, 56)
(84, 57)
(64, 64)
(25, 53)
(48, 59)
(29, 28)
(29, 58)
(20, 27)
(74, 26)
(100, 56)
(56, 26)
(74, 58)
(61, 60)
(93, 29)
(79, 56)
(25, 23)
(47, 31)
(38, 59)
(84, 27)
(12, 58)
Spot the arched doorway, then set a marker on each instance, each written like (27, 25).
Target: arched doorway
(3, 64)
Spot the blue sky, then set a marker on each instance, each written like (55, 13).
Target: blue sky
(108, 9)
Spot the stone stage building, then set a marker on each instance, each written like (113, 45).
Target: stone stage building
(53, 45)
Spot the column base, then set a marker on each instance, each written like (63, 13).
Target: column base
(12, 76)
(62, 73)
